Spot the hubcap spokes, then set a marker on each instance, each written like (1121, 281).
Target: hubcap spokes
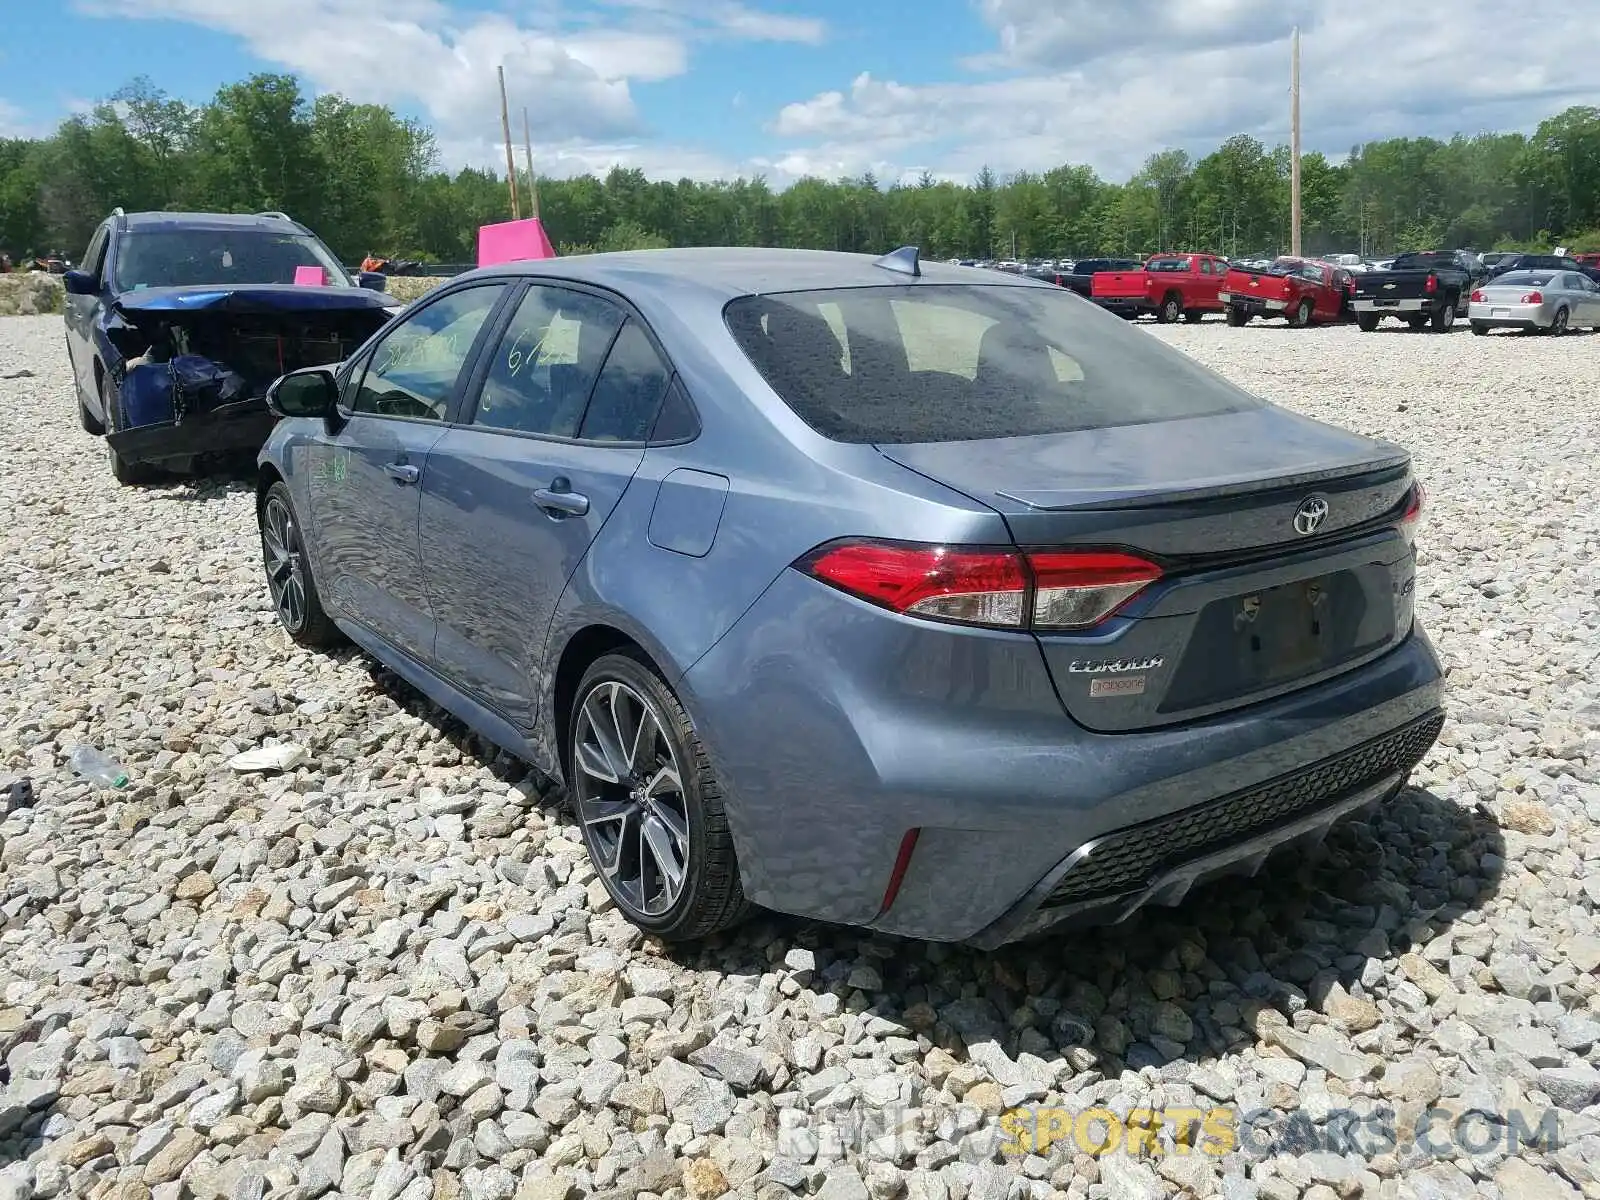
(630, 799)
(280, 545)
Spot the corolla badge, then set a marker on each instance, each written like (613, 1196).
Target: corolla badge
(1113, 666)
(1308, 518)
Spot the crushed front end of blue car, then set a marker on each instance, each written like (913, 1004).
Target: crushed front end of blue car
(191, 366)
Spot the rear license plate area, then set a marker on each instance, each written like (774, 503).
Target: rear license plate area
(1499, 312)
(1387, 303)
(1257, 641)
(1284, 632)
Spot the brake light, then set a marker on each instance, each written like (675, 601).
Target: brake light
(1411, 518)
(1533, 298)
(1432, 285)
(999, 587)
(1074, 589)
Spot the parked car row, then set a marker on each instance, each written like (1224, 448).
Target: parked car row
(822, 582)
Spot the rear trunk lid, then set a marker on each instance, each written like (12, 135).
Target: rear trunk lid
(1120, 285)
(1392, 285)
(1248, 606)
(1251, 284)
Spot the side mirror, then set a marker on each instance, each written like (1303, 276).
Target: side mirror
(373, 281)
(79, 283)
(308, 392)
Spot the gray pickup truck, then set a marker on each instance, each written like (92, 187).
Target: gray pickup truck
(1423, 288)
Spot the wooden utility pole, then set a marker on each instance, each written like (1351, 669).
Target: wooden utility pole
(527, 150)
(1294, 143)
(511, 164)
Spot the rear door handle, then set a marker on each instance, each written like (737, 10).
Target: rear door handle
(559, 500)
(402, 472)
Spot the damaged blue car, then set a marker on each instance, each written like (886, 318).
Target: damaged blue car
(177, 323)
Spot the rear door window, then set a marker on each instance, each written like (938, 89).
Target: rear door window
(546, 363)
(956, 362)
(628, 392)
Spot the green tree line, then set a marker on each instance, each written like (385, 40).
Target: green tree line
(370, 181)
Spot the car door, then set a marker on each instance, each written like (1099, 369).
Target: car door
(79, 319)
(517, 491)
(366, 478)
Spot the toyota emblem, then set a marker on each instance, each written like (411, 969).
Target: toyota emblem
(1308, 518)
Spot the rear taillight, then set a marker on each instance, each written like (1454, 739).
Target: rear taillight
(1477, 296)
(1411, 518)
(999, 587)
(1533, 298)
(1432, 285)
(1076, 589)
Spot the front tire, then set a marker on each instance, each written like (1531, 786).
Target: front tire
(128, 474)
(649, 805)
(290, 582)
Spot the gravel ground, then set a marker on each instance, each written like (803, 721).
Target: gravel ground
(389, 973)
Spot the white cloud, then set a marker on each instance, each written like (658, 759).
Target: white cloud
(1110, 83)
(574, 75)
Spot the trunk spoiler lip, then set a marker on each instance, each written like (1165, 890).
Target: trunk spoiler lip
(1114, 499)
(249, 298)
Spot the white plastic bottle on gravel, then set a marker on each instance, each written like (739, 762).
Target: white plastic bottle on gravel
(97, 767)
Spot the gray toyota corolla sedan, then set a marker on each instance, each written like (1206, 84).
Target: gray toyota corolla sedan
(888, 593)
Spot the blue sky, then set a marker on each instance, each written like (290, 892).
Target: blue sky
(711, 88)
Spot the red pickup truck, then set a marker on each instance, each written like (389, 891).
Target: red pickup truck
(1304, 291)
(1170, 285)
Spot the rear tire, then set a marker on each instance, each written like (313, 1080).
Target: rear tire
(1301, 316)
(128, 474)
(1367, 322)
(1238, 318)
(663, 799)
(1558, 326)
(290, 581)
(87, 419)
(1443, 319)
(1171, 309)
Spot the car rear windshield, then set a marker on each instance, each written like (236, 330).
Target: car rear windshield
(1167, 264)
(959, 362)
(1525, 279)
(1424, 260)
(191, 257)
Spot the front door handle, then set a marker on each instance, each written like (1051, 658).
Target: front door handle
(402, 472)
(559, 500)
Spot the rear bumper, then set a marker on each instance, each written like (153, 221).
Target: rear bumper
(1125, 306)
(1108, 879)
(1509, 316)
(1255, 305)
(238, 428)
(1410, 305)
(836, 729)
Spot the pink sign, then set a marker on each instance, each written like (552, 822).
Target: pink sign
(310, 277)
(513, 241)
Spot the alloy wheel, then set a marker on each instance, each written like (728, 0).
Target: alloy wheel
(629, 791)
(285, 561)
